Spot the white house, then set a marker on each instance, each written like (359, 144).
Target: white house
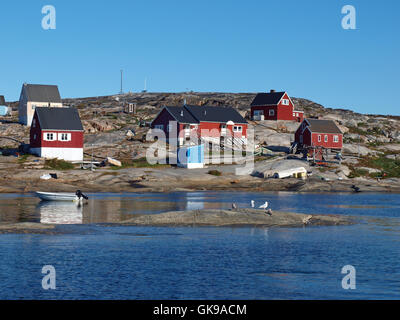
(36, 95)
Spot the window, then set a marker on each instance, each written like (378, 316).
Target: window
(271, 112)
(64, 137)
(169, 127)
(335, 138)
(326, 138)
(285, 102)
(34, 136)
(223, 126)
(159, 126)
(319, 138)
(258, 112)
(237, 129)
(34, 123)
(294, 114)
(48, 136)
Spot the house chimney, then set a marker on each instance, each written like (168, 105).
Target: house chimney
(272, 91)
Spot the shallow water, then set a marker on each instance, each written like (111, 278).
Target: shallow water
(98, 261)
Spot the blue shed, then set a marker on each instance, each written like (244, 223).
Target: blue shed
(191, 156)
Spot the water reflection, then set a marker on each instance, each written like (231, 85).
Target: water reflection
(112, 207)
(60, 212)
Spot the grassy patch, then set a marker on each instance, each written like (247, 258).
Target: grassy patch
(357, 130)
(58, 164)
(139, 163)
(391, 167)
(214, 172)
(355, 172)
(23, 158)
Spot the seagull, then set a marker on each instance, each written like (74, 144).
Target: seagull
(264, 206)
(234, 206)
(252, 203)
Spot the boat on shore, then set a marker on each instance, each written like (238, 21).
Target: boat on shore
(61, 196)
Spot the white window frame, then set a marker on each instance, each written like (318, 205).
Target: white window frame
(271, 112)
(258, 112)
(237, 129)
(319, 138)
(326, 138)
(64, 134)
(336, 138)
(285, 102)
(47, 134)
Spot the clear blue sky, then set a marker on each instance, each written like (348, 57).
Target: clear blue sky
(219, 45)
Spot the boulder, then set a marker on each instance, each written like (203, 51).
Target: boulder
(355, 149)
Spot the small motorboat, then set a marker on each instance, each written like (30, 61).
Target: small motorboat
(61, 196)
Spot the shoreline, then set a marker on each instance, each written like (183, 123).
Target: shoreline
(141, 180)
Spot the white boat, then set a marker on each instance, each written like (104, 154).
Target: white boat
(57, 196)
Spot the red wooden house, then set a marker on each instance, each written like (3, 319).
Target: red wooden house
(209, 124)
(57, 133)
(318, 135)
(274, 106)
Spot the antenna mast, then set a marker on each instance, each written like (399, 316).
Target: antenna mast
(121, 92)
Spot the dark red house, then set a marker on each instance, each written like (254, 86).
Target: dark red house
(210, 124)
(317, 134)
(57, 133)
(274, 106)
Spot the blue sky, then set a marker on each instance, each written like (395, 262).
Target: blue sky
(224, 46)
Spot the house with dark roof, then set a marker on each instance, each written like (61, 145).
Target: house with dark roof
(34, 96)
(209, 124)
(57, 133)
(319, 134)
(274, 106)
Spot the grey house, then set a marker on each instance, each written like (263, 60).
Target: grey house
(34, 96)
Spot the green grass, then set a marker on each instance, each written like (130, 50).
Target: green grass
(388, 168)
(138, 163)
(357, 130)
(355, 172)
(391, 167)
(23, 158)
(58, 164)
(214, 172)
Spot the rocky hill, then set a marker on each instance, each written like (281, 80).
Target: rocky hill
(372, 142)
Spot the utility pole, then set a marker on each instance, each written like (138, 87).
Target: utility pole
(121, 92)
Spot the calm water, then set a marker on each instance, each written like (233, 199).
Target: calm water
(95, 260)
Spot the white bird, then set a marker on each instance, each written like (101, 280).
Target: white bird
(234, 206)
(252, 203)
(264, 206)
